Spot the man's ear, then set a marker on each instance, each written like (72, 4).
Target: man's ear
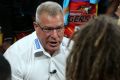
(34, 24)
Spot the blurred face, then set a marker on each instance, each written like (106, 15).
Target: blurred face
(118, 11)
(50, 31)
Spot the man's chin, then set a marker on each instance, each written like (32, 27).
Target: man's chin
(53, 49)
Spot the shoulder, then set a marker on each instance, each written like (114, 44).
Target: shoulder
(22, 45)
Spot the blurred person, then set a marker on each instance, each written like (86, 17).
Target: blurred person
(112, 8)
(42, 54)
(108, 7)
(95, 54)
(5, 69)
(118, 14)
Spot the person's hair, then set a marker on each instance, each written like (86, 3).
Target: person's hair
(95, 54)
(49, 7)
(5, 69)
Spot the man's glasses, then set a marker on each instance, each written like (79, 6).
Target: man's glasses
(50, 29)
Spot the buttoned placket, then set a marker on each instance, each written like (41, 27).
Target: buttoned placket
(52, 75)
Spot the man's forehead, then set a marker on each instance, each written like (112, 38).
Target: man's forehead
(49, 17)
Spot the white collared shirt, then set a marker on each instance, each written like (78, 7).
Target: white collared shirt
(29, 61)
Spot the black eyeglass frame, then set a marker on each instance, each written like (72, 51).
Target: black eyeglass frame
(50, 29)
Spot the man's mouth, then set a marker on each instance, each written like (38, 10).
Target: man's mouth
(53, 44)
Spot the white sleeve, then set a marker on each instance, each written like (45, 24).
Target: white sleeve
(16, 63)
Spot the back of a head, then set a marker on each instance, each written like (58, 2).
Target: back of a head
(5, 69)
(96, 52)
(49, 7)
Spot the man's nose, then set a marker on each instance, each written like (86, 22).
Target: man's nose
(55, 33)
